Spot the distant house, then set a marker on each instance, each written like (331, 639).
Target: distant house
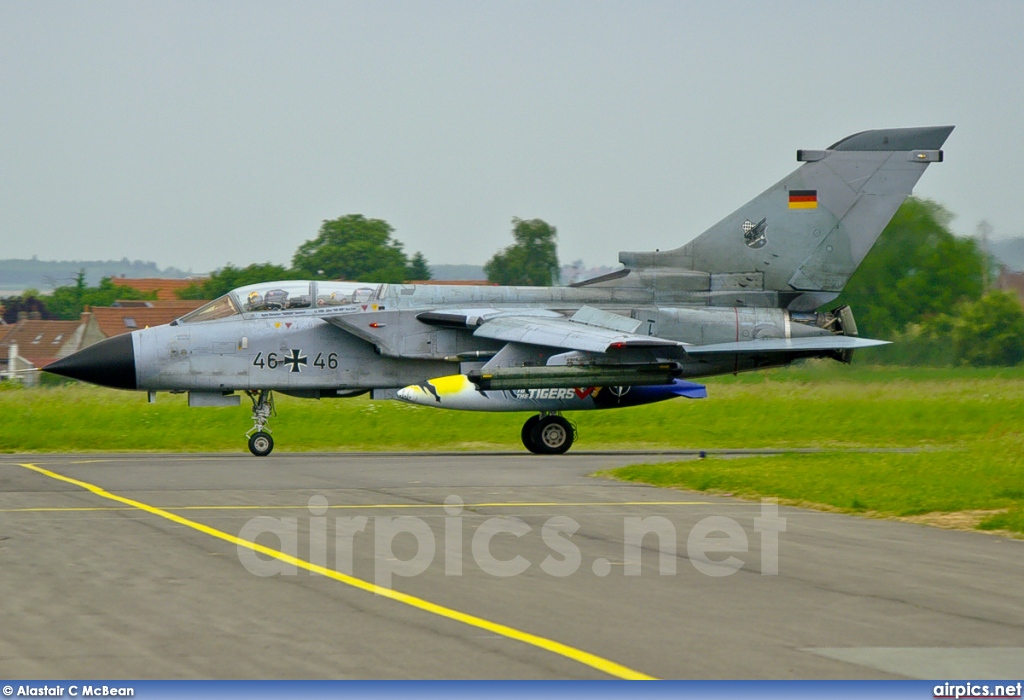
(126, 316)
(457, 283)
(1011, 281)
(32, 344)
(165, 288)
(38, 343)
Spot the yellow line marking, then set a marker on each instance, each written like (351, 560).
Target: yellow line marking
(176, 458)
(369, 506)
(59, 510)
(89, 461)
(578, 655)
(162, 456)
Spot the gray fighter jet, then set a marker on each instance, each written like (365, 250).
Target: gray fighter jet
(744, 295)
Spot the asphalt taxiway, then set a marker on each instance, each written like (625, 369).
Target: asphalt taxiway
(143, 566)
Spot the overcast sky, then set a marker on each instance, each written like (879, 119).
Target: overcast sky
(199, 133)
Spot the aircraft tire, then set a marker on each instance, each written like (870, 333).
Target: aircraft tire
(261, 444)
(553, 435)
(527, 435)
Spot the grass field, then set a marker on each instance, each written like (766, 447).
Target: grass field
(967, 427)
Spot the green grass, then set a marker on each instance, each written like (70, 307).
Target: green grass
(813, 406)
(830, 371)
(983, 477)
(967, 427)
(1010, 521)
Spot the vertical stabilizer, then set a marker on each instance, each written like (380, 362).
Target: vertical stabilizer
(809, 232)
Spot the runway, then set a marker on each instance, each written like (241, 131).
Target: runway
(473, 566)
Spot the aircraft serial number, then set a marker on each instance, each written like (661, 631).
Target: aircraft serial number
(295, 360)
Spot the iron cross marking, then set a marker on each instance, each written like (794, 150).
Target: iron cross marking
(295, 360)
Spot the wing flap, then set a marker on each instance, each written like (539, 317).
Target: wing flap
(832, 342)
(565, 333)
(471, 318)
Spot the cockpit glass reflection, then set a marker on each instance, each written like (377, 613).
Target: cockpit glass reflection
(281, 296)
(275, 296)
(343, 293)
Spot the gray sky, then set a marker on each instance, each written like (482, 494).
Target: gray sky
(198, 133)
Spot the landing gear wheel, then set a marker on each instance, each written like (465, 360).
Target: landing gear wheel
(527, 434)
(261, 444)
(553, 435)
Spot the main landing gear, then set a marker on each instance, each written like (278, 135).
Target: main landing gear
(548, 434)
(260, 442)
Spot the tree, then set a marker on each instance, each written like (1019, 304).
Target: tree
(69, 301)
(532, 260)
(352, 248)
(417, 269)
(27, 302)
(229, 277)
(990, 331)
(983, 333)
(916, 269)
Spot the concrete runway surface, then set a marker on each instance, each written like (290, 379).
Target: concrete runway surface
(137, 566)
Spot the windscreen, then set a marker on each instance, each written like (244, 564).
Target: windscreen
(218, 308)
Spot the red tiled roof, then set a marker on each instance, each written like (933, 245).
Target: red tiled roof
(164, 288)
(159, 303)
(457, 283)
(1011, 282)
(38, 341)
(117, 320)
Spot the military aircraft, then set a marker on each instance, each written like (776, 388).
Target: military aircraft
(743, 295)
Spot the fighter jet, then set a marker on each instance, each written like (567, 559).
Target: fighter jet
(744, 295)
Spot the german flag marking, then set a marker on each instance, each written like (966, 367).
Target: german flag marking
(803, 199)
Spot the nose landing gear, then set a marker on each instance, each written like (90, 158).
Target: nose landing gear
(548, 434)
(260, 442)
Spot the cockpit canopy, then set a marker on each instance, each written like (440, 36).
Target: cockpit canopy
(278, 296)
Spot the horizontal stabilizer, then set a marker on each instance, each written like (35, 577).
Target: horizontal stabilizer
(835, 342)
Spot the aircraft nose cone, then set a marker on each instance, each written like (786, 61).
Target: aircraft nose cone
(110, 362)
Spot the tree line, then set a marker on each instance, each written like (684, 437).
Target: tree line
(920, 286)
(67, 302)
(350, 247)
(356, 248)
(923, 288)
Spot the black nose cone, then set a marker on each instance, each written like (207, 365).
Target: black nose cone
(110, 362)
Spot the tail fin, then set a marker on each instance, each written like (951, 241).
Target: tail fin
(807, 234)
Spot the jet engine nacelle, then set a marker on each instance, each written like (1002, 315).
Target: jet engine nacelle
(710, 325)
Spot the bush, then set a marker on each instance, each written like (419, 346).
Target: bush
(988, 332)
